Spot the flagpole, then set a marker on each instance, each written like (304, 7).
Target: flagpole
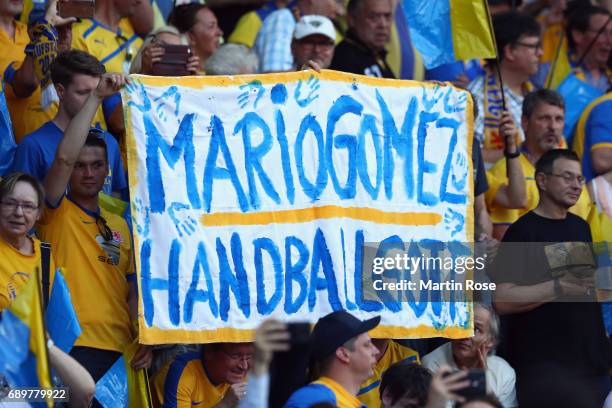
(42, 316)
(588, 48)
(553, 67)
(497, 63)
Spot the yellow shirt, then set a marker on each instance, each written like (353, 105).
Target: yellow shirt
(369, 394)
(183, 383)
(16, 269)
(96, 271)
(496, 177)
(115, 50)
(343, 398)
(27, 114)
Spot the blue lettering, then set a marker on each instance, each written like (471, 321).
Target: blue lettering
(253, 155)
(285, 161)
(200, 295)
(424, 166)
(182, 145)
(311, 190)
(401, 141)
(362, 303)
(238, 283)
(211, 171)
(344, 105)
(265, 307)
(294, 272)
(444, 194)
(368, 125)
(322, 257)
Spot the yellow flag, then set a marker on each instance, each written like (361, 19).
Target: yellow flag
(28, 308)
(139, 394)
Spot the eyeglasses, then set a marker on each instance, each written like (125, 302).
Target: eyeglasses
(104, 229)
(569, 178)
(536, 46)
(238, 356)
(11, 206)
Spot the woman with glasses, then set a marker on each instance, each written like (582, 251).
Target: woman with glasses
(21, 202)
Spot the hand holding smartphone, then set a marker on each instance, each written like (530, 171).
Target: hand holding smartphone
(173, 62)
(76, 8)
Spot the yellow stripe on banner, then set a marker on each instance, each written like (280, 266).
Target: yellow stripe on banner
(200, 82)
(318, 213)
(471, 30)
(154, 335)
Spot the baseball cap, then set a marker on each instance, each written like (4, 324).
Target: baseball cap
(335, 329)
(314, 24)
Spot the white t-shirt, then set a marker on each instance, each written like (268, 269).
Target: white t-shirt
(500, 375)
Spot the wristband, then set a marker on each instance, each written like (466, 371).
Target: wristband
(509, 155)
(558, 288)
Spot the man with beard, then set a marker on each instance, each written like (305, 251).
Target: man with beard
(542, 122)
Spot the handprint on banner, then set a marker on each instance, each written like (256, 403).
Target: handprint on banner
(459, 172)
(458, 105)
(144, 215)
(312, 87)
(453, 221)
(183, 222)
(172, 91)
(135, 87)
(429, 103)
(248, 90)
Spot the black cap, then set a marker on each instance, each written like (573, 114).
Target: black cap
(335, 329)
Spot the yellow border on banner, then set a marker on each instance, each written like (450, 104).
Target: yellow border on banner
(154, 335)
(199, 82)
(319, 213)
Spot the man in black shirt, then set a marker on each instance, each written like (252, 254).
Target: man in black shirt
(363, 49)
(554, 336)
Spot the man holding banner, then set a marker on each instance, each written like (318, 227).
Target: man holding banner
(100, 272)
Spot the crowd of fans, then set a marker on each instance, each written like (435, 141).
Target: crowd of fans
(542, 161)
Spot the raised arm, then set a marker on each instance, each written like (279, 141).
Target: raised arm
(513, 194)
(74, 138)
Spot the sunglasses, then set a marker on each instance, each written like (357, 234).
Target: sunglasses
(104, 229)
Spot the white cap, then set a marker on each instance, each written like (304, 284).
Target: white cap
(313, 24)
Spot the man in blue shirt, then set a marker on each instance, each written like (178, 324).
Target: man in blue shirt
(346, 357)
(75, 75)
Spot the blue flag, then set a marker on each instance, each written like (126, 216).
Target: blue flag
(7, 140)
(62, 322)
(444, 31)
(14, 335)
(112, 389)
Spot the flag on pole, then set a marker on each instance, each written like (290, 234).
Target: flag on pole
(62, 322)
(24, 319)
(445, 31)
(7, 140)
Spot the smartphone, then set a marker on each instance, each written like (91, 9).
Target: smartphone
(478, 384)
(76, 8)
(299, 332)
(174, 61)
